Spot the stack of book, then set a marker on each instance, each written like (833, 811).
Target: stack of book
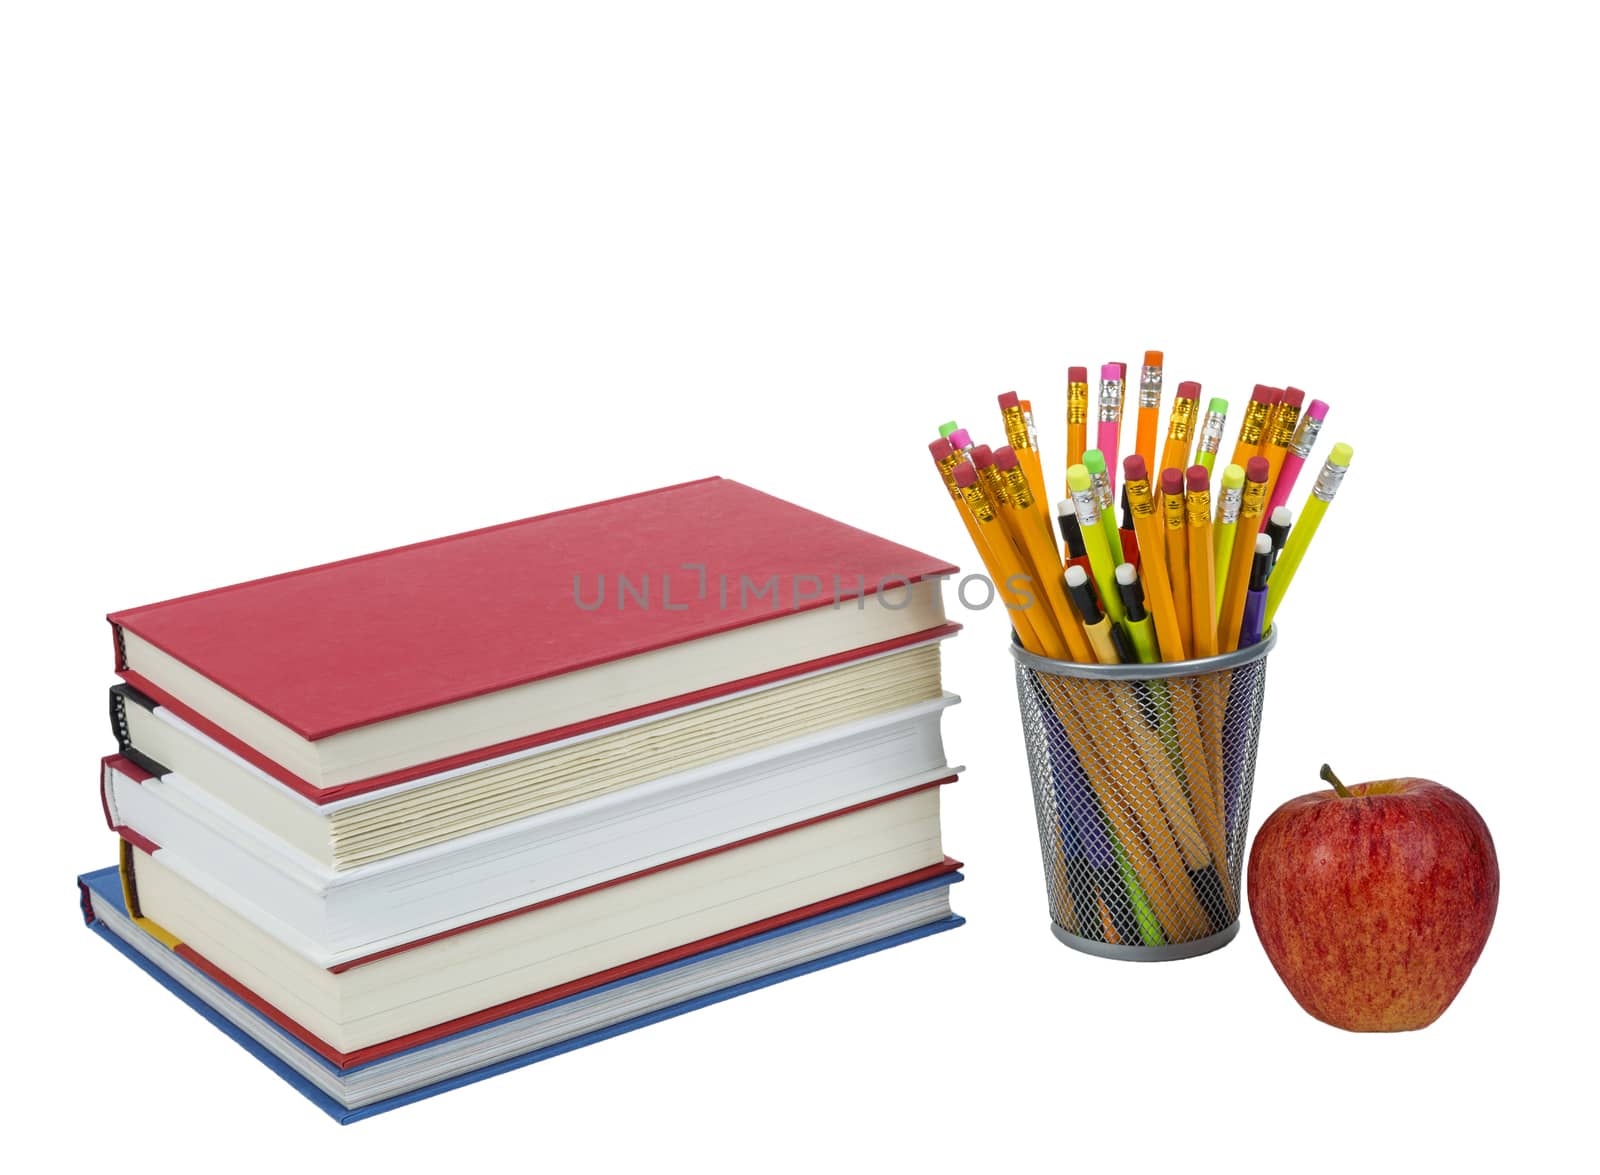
(409, 820)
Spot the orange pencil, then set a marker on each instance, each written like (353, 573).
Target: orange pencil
(948, 458)
(1034, 537)
(1253, 427)
(1202, 568)
(1181, 428)
(1175, 530)
(1275, 444)
(1152, 558)
(1231, 613)
(1006, 570)
(1149, 407)
(1077, 415)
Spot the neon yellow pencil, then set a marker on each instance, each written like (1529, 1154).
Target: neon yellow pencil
(1101, 563)
(1305, 528)
(1227, 522)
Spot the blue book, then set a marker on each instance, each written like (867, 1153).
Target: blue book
(353, 1092)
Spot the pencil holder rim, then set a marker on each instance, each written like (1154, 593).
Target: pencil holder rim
(1154, 671)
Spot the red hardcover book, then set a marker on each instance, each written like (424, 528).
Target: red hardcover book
(403, 663)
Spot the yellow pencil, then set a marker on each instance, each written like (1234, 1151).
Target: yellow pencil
(1022, 516)
(1202, 574)
(1254, 425)
(1254, 499)
(1152, 558)
(1176, 545)
(1225, 525)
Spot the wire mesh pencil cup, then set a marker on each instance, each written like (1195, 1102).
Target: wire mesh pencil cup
(1141, 784)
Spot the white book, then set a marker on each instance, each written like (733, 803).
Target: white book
(364, 828)
(332, 917)
(485, 967)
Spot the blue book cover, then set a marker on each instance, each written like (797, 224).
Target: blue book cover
(105, 885)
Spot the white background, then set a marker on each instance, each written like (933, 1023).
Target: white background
(286, 282)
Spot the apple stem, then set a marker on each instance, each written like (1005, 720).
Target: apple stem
(1327, 773)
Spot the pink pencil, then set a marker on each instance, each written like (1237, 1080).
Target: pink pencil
(1305, 436)
(1111, 386)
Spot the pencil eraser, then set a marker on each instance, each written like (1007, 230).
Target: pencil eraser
(1340, 455)
(1171, 481)
(1008, 400)
(1078, 375)
(1317, 410)
(1256, 469)
(1189, 390)
(1282, 516)
(1094, 461)
(961, 439)
(982, 457)
(1263, 544)
(1122, 370)
(1078, 479)
(1110, 371)
(1076, 576)
(1233, 477)
(1005, 457)
(1218, 405)
(1153, 358)
(1293, 397)
(1199, 480)
(940, 448)
(965, 475)
(1025, 405)
(1133, 467)
(947, 428)
(1126, 575)
(1262, 394)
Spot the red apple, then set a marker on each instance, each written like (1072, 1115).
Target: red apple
(1374, 902)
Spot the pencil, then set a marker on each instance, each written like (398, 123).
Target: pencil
(1180, 428)
(1294, 550)
(947, 458)
(1149, 406)
(1211, 428)
(1007, 570)
(1202, 570)
(1077, 414)
(1231, 612)
(1101, 563)
(1176, 547)
(1251, 429)
(1275, 444)
(1023, 518)
(1225, 526)
(1300, 446)
(1110, 414)
(1152, 554)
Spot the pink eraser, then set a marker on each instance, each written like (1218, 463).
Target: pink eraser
(1255, 469)
(961, 439)
(1006, 457)
(1078, 375)
(1110, 371)
(1317, 410)
(1008, 399)
(1134, 468)
(1171, 482)
(1199, 479)
(965, 475)
(1293, 397)
(1265, 395)
(1189, 390)
(940, 448)
(982, 457)
(1122, 371)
